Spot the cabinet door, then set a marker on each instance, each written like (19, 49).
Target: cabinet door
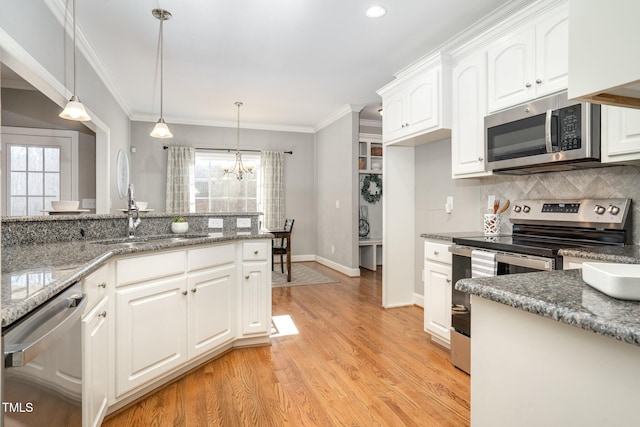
(256, 298)
(95, 369)
(620, 134)
(552, 51)
(437, 301)
(211, 313)
(422, 97)
(393, 122)
(150, 331)
(469, 109)
(511, 70)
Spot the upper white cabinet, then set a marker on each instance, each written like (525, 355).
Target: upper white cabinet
(529, 62)
(469, 87)
(620, 134)
(416, 104)
(603, 58)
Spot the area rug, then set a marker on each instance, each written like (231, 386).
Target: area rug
(300, 275)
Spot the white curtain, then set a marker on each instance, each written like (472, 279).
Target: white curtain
(272, 188)
(180, 179)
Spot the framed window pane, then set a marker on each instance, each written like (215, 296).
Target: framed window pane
(18, 206)
(18, 184)
(35, 158)
(52, 185)
(18, 158)
(52, 159)
(36, 204)
(36, 184)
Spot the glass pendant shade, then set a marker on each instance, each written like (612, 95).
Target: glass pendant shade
(161, 130)
(74, 110)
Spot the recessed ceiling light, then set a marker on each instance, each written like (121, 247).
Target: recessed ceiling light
(376, 12)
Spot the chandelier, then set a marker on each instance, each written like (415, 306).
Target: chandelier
(161, 130)
(239, 169)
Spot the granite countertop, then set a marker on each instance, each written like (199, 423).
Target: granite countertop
(561, 295)
(629, 254)
(448, 237)
(32, 274)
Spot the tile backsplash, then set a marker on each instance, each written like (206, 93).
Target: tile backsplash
(604, 182)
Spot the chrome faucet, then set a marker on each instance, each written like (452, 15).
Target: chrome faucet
(132, 223)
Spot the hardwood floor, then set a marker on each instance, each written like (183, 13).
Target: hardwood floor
(352, 363)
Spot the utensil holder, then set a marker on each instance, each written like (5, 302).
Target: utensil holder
(491, 224)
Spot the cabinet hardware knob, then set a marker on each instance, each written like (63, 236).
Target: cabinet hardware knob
(448, 280)
(247, 277)
(102, 285)
(184, 292)
(528, 85)
(194, 290)
(402, 125)
(480, 159)
(406, 124)
(103, 314)
(436, 252)
(538, 81)
(526, 110)
(255, 252)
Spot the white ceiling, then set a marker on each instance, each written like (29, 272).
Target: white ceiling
(293, 63)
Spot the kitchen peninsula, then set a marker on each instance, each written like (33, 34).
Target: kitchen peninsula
(547, 349)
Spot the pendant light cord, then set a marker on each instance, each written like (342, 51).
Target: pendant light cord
(161, 68)
(74, 48)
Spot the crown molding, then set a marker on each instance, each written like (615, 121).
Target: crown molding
(371, 123)
(59, 11)
(341, 112)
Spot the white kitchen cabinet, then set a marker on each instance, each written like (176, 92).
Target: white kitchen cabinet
(370, 154)
(529, 62)
(469, 87)
(437, 292)
(255, 285)
(620, 134)
(603, 59)
(96, 366)
(151, 330)
(416, 104)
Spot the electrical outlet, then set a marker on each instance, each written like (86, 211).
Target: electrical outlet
(88, 203)
(337, 204)
(333, 249)
(216, 222)
(243, 223)
(491, 199)
(448, 207)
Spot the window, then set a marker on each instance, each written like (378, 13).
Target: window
(40, 166)
(217, 192)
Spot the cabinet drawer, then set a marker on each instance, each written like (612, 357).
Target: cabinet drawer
(255, 251)
(438, 252)
(212, 256)
(94, 286)
(141, 268)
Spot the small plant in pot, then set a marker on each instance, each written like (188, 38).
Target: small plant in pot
(179, 225)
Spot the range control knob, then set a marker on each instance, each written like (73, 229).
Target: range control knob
(526, 209)
(599, 210)
(517, 208)
(613, 210)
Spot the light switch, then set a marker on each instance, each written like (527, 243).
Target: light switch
(337, 204)
(243, 223)
(215, 222)
(88, 203)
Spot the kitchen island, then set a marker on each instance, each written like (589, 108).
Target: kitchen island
(548, 349)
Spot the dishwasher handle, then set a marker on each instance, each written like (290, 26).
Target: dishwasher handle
(44, 329)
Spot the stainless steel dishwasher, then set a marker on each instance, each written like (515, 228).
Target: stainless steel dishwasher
(42, 372)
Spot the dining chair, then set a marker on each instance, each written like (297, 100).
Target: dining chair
(281, 245)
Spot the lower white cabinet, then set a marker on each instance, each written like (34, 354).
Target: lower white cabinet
(620, 134)
(95, 367)
(151, 331)
(256, 288)
(437, 292)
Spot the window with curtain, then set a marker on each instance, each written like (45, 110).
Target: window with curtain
(217, 192)
(272, 189)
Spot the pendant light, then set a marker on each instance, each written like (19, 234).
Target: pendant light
(239, 169)
(74, 110)
(161, 130)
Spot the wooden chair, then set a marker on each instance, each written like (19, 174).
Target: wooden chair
(281, 245)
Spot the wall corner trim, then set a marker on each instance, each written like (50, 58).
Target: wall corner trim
(341, 112)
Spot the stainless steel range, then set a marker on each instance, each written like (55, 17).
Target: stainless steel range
(540, 229)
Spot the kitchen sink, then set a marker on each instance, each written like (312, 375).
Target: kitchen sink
(145, 240)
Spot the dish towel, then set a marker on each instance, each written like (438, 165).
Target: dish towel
(483, 264)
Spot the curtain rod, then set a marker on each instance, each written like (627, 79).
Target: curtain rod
(229, 150)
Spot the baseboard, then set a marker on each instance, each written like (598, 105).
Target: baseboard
(351, 272)
(418, 300)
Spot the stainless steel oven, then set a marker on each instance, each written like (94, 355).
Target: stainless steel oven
(540, 229)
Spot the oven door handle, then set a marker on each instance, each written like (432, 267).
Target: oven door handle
(44, 329)
(543, 264)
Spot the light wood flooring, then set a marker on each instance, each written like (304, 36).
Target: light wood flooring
(353, 363)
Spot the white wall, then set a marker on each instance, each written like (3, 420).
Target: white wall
(337, 181)
(149, 166)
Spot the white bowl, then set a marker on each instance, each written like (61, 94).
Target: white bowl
(65, 205)
(141, 205)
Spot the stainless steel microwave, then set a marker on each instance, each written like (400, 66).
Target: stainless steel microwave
(547, 134)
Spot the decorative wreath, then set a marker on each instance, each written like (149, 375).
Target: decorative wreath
(372, 188)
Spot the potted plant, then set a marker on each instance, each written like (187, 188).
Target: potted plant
(179, 225)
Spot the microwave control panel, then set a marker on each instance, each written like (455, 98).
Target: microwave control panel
(569, 132)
